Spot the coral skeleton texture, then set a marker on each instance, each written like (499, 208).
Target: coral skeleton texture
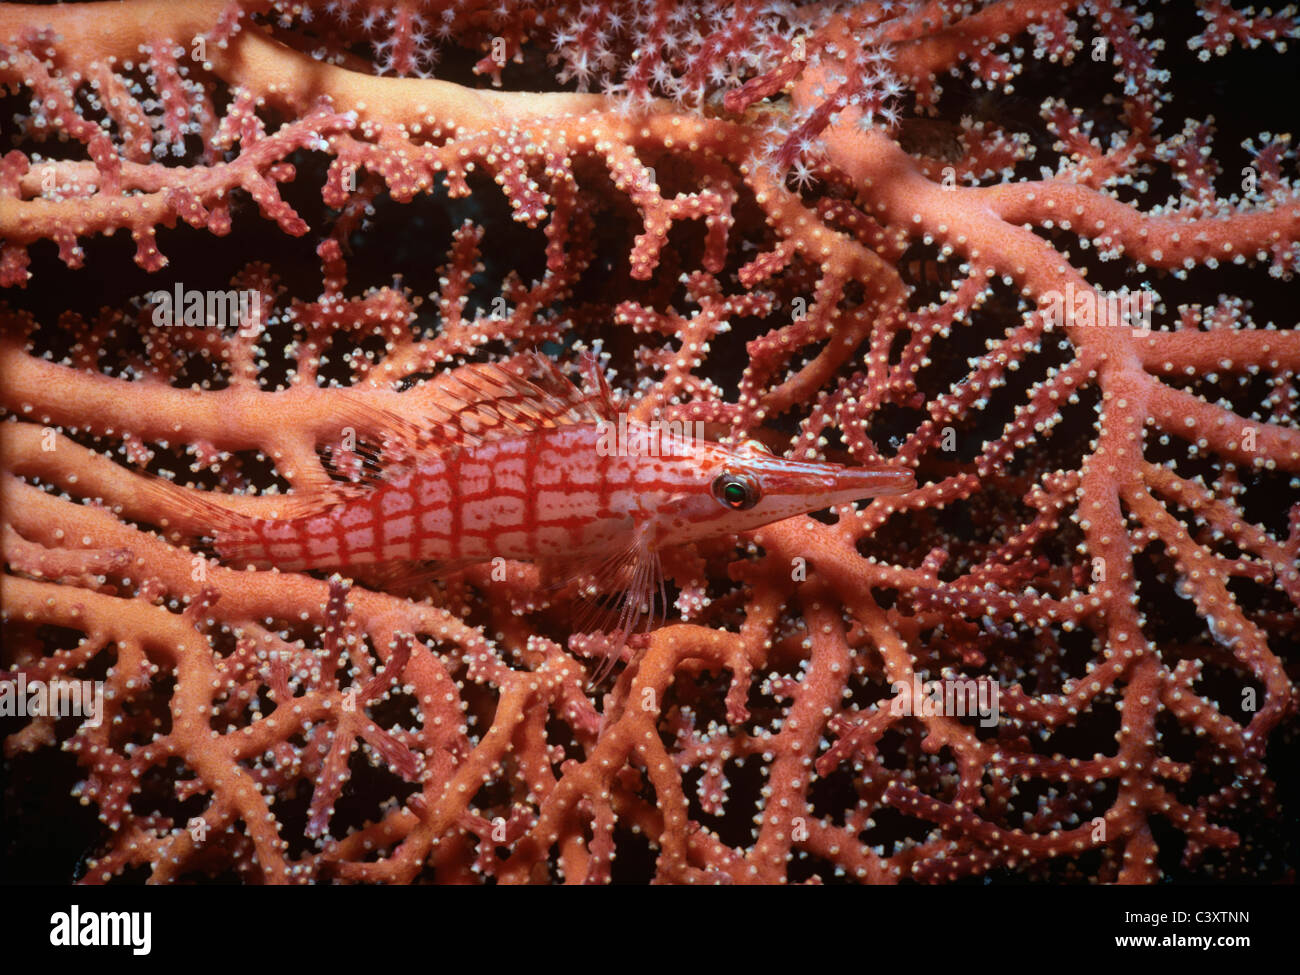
(1002, 245)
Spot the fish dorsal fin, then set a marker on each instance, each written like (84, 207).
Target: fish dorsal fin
(470, 405)
(518, 396)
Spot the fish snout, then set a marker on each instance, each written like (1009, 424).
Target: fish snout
(865, 482)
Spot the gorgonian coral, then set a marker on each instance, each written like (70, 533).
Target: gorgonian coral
(976, 239)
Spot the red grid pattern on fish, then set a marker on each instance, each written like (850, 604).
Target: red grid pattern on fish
(518, 497)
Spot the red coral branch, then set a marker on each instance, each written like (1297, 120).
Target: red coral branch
(769, 219)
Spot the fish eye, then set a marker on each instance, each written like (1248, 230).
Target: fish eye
(735, 491)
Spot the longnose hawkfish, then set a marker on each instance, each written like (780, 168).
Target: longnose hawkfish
(512, 460)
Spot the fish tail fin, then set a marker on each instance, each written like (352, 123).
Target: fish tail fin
(239, 539)
(210, 527)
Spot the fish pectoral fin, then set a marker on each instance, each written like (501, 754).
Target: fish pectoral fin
(632, 596)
